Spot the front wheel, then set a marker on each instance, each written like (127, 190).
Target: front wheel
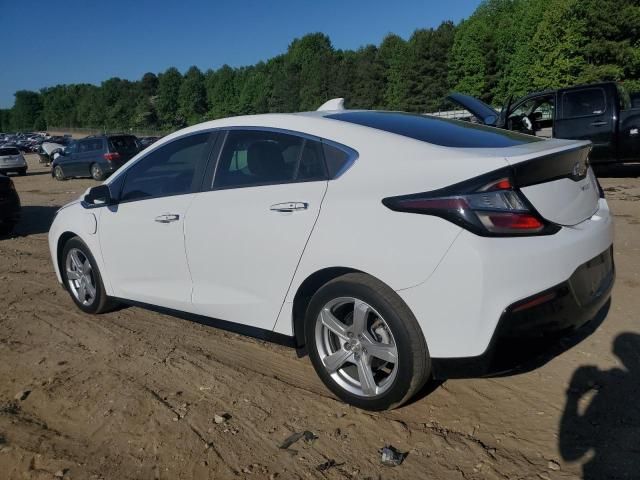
(82, 278)
(365, 343)
(58, 173)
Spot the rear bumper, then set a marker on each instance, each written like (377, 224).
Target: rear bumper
(14, 168)
(460, 306)
(535, 330)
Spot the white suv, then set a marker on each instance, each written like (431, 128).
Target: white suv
(391, 247)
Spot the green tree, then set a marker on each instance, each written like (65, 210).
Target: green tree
(312, 56)
(221, 92)
(429, 57)
(167, 103)
(192, 96)
(149, 84)
(393, 55)
(255, 91)
(26, 109)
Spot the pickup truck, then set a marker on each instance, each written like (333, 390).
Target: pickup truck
(600, 112)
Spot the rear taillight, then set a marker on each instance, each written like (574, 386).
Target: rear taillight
(111, 156)
(488, 207)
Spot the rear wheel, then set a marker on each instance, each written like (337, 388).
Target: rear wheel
(58, 173)
(96, 172)
(22, 172)
(365, 343)
(82, 278)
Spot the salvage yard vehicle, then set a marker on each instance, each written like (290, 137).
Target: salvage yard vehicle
(389, 246)
(95, 156)
(601, 113)
(9, 205)
(12, 160)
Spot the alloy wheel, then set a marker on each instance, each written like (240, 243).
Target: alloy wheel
(80, 277)
(96, 171)
(356, 346)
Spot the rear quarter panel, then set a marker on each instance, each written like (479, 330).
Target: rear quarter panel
(355, 230)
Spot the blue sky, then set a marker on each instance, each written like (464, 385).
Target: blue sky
(73, 41)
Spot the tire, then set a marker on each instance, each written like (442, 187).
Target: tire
(22, 172)
(391, 329)
(58, 173)
(96, 172)
(75, 257)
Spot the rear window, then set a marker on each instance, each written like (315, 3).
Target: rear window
(438, 131)
(9, 151)
(125, 144)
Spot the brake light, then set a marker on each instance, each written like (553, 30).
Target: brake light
(111, 156)
(488, 207)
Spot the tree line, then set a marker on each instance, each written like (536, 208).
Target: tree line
(506, 47)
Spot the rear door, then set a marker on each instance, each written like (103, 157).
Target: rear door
(245, 237)
(585, 115)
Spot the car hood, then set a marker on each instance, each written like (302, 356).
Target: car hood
(478, 108)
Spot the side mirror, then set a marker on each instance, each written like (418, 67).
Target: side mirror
(99, 196)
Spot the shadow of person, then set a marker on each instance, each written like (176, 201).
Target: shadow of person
(601, 420)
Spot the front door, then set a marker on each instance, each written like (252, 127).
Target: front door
(585, 116)
(142, 237)
(245, 237)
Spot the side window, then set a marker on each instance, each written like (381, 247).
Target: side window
(83, 146)
(583, 103)
(95, 145)
(170, 170)
(336, 159)
(257, 157)
(71, 148)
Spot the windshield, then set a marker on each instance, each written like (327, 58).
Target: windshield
(9, 151)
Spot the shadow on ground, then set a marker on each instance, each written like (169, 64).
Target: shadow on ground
(34, 219)
(618, 171)
(601, 421)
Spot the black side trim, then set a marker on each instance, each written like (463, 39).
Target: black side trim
(254, 332)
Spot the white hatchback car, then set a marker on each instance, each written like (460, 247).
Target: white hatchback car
(392, 247)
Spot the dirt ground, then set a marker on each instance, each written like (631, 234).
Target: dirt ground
(134, 394)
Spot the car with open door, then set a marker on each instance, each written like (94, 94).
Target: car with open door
(391, 247)
(601, 113)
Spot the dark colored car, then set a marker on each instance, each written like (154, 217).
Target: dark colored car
(9, 205)
(95, 156)
(601, 112)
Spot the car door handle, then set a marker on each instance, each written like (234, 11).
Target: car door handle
(599, 123)
(289, 206)
(168, 218)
